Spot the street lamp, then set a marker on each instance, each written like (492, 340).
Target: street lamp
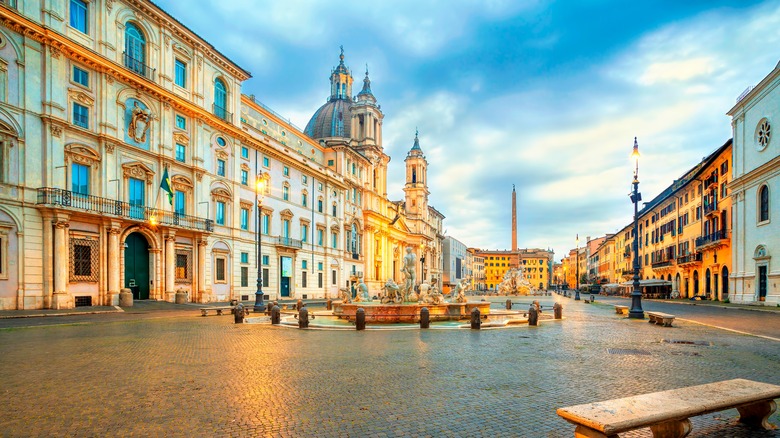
(636, 296)
(577, 289)
(422, 261)
(261, 182)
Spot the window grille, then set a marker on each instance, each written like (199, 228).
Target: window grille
(183, 266)
(84, 254)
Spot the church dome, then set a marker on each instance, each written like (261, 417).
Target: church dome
(334, 119)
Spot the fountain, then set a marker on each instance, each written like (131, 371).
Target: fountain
(515, 283)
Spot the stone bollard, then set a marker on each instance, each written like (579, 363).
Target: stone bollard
(125, 298)
(299, 305)
(275, 314)
(476, 320)
(329, 304)
(425, 318)
(360, 319)
(508, 304)
(238, 314)
(303, 317)
(181, 297)
(592, 298)
(269, 307)
(558, 310)
(533, 315)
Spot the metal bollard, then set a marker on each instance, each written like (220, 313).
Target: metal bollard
(558, 310)
(329, 304)
(303, 317)
(275, 314)
(476, 320)
(508, 304)
(425, 318)
(238, 314)
(592, 298)
(360, 319)
(533, 316)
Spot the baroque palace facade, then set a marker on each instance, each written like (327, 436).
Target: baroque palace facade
(103, 102)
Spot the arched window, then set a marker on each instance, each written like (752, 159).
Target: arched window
(763, 204)
(135, 49)
(354, 238)
(220, 99)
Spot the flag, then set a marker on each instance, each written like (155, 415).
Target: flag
(166, 186)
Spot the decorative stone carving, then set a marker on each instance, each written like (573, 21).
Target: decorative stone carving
(181, 183)
(222, 155)
(56, 130)
(61, 225)
(55, 52)
(82, 154)
(81, 96)
(139, 123)
(109, 5)
(110, 148)
(138, 170)
(220, 194)
(181, 138)
(286, 214)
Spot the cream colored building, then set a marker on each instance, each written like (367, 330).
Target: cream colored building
(99, 100)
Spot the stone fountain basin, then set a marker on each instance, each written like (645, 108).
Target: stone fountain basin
(377, 313)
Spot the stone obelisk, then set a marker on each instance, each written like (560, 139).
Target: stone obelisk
(514, 219)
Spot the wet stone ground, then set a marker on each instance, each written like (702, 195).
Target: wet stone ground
(193, 376)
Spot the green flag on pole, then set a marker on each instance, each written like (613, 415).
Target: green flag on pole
(166, 186)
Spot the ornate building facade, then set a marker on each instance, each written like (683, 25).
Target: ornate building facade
(104, 102)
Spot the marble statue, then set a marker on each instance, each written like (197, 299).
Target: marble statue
(362, 294)
(410, 260)
(139, 123)
(393, 293)
(459, 293)
(345, 296)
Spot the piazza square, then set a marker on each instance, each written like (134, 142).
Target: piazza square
(250, 219)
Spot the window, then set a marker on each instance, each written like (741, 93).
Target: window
(84, 260)
(266, 277)
(319, 186)
(135, 49)
(334, 210)
(80, 115)
(79, 179)
(319, 279)
(304, 264)
(304, 234)
(244, 276)
(244, 177)
(320, 237)
(244, 257)
(244, 152)
(181, 152)
(265, 260)
(136, 192)
(265, 222)
(4, 252)
(319, 205)
(179, 202)
(319, 266)
(183, 266)
(220, 276)
(304, 179)
(220, 213)
(304, 199)
(286, 171)
(266, 162)
(78, 15)
(180, 72)
(244, 219)
(220, 99)
(286, 228)
(221, 167)
(286, 193)
(334, 240)
(304, 281)
(331, 163)
(763, 204)
(333, 277)
(181, 122)
(80, 76)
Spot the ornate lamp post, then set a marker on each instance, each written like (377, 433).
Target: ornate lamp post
(577, 289)
(261, 182)
(636, 296)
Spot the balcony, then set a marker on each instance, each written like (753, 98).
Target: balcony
(711, 239)
(288, 242)
(59, 198)
(138, 67)
(222, 113)
(710, 208)
(689, 259)
(662, 264)
(711, 180)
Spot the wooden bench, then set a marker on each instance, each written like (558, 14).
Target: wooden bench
(667, 412)
(621, 310)
(204, 311)
(661, 318)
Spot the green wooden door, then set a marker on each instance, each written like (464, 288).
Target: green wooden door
(137, 266)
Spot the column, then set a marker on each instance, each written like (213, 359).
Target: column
(204, 298)
(48, 251)
(170, 268)
(156, 291)
(61, 299)
(113, 266)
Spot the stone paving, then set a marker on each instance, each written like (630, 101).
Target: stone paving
(184, 375)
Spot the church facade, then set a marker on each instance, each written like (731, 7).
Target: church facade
(129, 160)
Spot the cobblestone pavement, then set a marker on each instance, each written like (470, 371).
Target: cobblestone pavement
(194, 376)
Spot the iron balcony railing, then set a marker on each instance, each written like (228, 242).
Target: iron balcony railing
(222, 113)
(662, 263)
(689, 258)
(710, 207)
(104, 206)
(711, 238)
(711, 180)
(288, 242)
(137, 66)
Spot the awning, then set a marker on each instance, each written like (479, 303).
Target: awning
(647, 283)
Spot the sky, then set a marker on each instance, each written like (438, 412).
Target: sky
(545, 95)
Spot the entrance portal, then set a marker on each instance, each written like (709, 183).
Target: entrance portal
(137, 266)
(762, 283)
(285, 267)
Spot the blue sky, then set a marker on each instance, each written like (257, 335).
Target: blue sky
(544, 95)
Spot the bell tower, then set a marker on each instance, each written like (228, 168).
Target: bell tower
(341, 80)
(416, 187)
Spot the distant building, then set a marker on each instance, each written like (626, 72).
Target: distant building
(455, 263)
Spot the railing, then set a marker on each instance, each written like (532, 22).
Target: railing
(662, 263)
(689, 258)
(355, 256)
(711, 238)
(105, 206)
(288, 242)
(711, 207)
(9, 3)
(222, 113)
(137, 66)
(711, 180)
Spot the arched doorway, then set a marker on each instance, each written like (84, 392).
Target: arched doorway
(137, 266)
(695, 283)
(707, 284)
(725, 283)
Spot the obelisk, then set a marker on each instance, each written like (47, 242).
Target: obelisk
(514, 219)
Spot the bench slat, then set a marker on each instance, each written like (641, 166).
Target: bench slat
(624, 414)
